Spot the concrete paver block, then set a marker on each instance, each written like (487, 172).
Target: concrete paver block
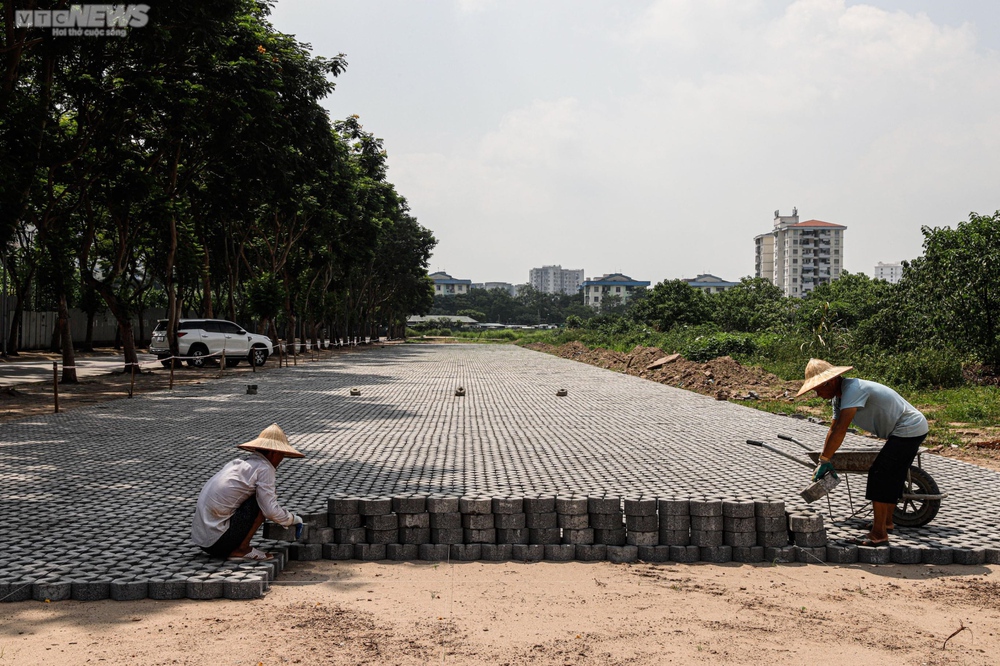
(352, 536)
(607, 521)
(642, 523)
(344, 520)
(512, 536)
(477, 505)
(706, 523)
(716, 554)
(798, 522)
(782, 555)
(382, 537)
(811, 555)
(51, 589)
(742, 539)
(739, 524)
(528, 553)
(584, 536)
(437, 504)
(541, 521)
(622, 554)
(571, 506)
(507, 505)
(685, 554)
(969, 556)
(560, 552)
(772, 539)
(128, 589)
(545, 537)
(869, 555)
(247, 588)
(769, 509)
(574, 521)
(510, 521)
(399, 552)
(369, 552)
(604, 505)
(410, 504)
(375, 506)
(479, 536)
(706, 539)
(320, 535)
(305, 552)
(653, 553)
(748, 554)
(446, 521)
(477, 521)
(466, 552)
(447, 536)
(409, 520)
(905, 554)
(614, 537)
(496, 552)
(435, 552)
(388, 521)
(414, 535)
(706, 507)
(809, 539)
(842, 553)
(540, 504)
(634, 538)
(675, 538)
(204, 588)
(674, 507)
(338, 551)
(591, 552)
(165, 588)
(771, 524)
(640, 506)
(342, 505)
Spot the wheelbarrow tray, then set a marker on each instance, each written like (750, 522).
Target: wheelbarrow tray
(850, 460)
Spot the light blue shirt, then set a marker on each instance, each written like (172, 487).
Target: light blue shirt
(881, 410)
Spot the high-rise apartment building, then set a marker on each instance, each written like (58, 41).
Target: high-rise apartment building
(892, 273)
(798, 256)
(556, 280)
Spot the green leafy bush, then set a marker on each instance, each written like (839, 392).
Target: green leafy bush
(923, 368)
(706, 347)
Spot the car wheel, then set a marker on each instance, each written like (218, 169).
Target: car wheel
(197, 359)
(258, 356)
(232, 362)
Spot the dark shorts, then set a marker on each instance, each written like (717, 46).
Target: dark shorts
(887, 477)
(240, 525)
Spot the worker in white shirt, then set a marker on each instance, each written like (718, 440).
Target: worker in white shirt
(233, 503)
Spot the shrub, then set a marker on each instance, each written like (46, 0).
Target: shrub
(706, 347)
(923, 368)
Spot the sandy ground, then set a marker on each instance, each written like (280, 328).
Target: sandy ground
(544, 613)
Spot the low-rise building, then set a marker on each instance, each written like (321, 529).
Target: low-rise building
(597, 290)
(556, 279)
(446, 285)
(710, 284)
(488, 286)
(892, 273)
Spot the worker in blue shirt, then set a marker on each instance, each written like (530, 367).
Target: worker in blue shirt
(881, 411)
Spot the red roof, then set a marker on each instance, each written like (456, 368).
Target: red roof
(818, 223)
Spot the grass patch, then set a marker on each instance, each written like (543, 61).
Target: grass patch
(972, 405)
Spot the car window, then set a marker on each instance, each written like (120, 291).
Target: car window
(189, 325)
(160, 327)
(229, 327)
(211, 326)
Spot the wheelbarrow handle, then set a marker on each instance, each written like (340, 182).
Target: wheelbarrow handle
(758, 443)
(789, 438)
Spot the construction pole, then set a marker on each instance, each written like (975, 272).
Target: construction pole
(172, 362)
(55, 384)
(131, 387)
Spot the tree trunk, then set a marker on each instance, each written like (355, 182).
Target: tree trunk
(88, 343)
(68, 357)
(206, 285)
(128, 342)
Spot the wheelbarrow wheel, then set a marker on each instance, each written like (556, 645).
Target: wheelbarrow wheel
(913, 511)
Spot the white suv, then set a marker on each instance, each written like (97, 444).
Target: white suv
(201, 339)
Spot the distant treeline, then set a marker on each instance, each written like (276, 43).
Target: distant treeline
(940, 323)
(189, 168)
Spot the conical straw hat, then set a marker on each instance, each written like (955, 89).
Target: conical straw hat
(272, 438)
(819, 372)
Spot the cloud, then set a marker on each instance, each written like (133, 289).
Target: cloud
(879, 120)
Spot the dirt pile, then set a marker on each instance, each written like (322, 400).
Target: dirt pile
(723, 377)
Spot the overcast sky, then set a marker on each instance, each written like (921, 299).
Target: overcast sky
(658, 138)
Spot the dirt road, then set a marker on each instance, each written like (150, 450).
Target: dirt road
(545, 613)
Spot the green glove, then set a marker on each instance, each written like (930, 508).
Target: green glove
(823, 468)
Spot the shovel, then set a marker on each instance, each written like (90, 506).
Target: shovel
(815, 490)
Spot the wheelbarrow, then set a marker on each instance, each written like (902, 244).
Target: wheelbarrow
(921, 495)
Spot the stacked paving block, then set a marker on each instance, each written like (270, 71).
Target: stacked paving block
(478, 528)
(573, 518)
(739, 530)
(348, 528)
(809, 536)
(675, 528)
(643, 526)
(381, 528)
(446, 528)
(707, 530)
(414, 527)
(542, 523)
(608, 524)
(511, 529)
(772, 530)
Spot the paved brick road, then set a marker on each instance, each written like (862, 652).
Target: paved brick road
(109, 490)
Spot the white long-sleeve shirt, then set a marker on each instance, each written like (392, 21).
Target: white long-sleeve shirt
(227, 490)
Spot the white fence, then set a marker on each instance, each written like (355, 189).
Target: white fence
(37, 327)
